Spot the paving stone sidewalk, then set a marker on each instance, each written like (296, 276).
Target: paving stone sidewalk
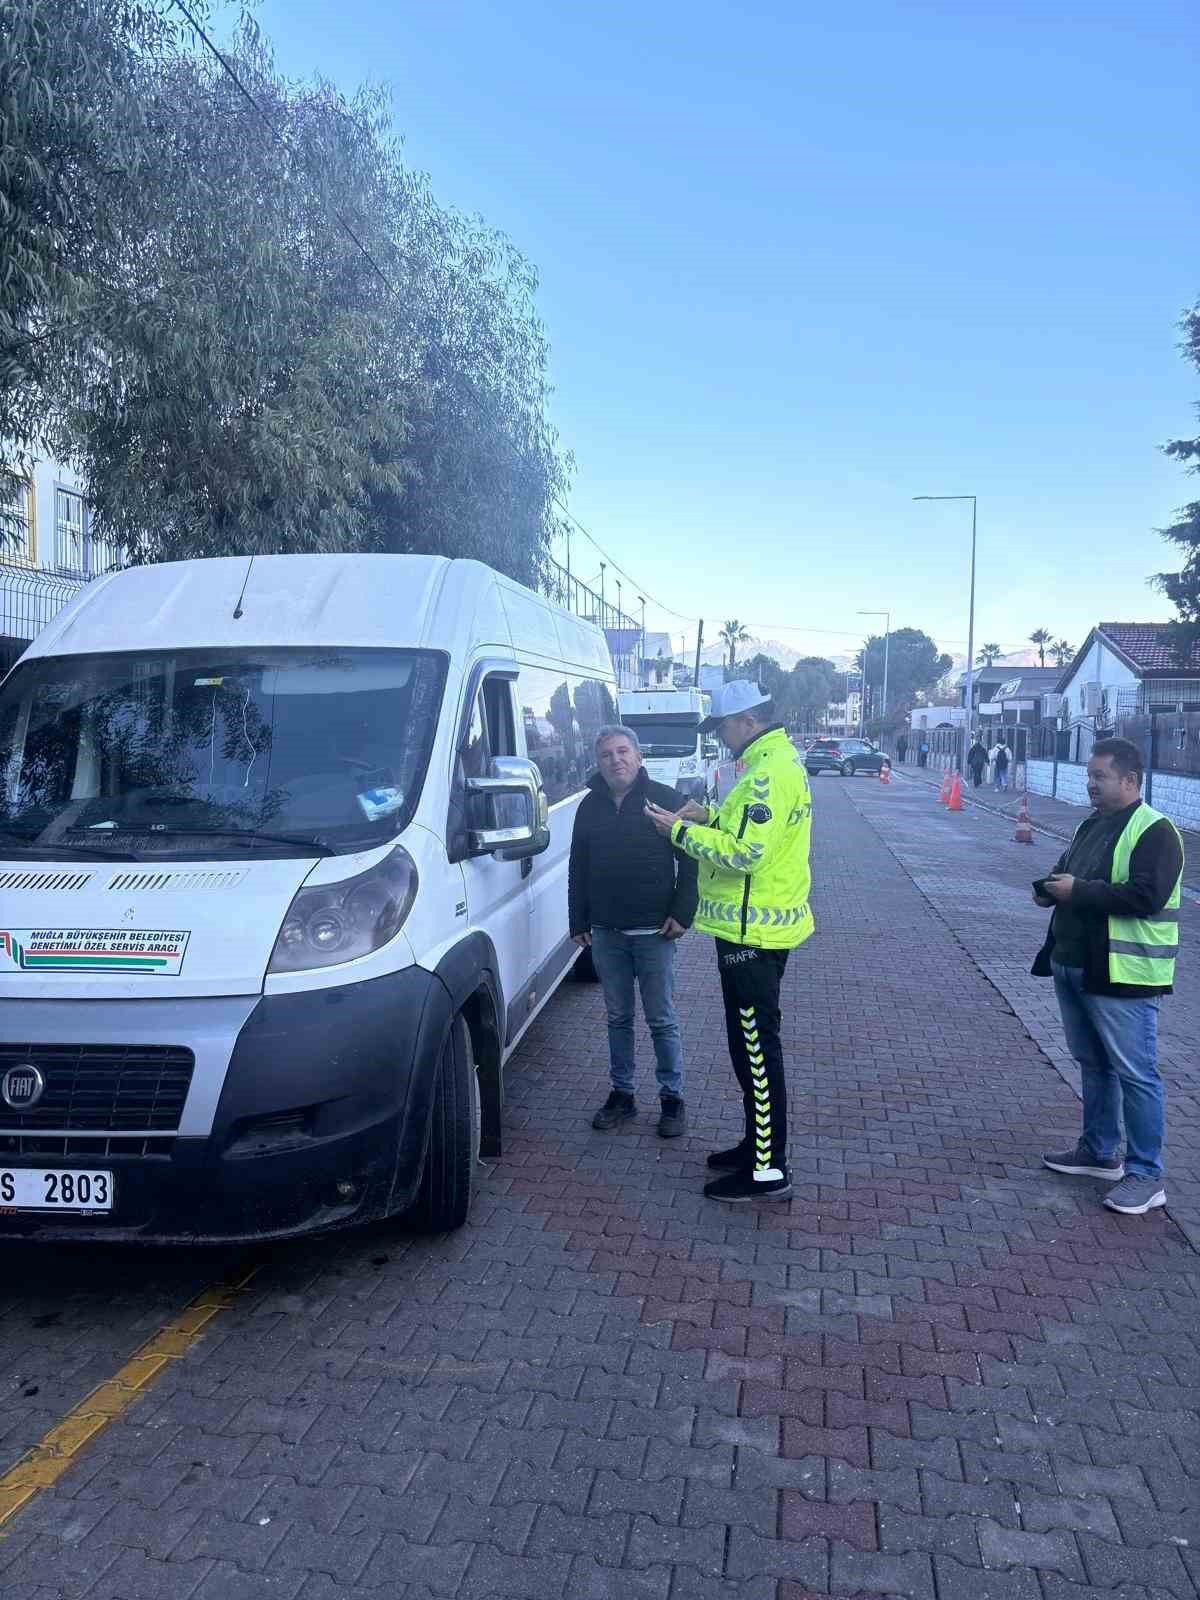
(1051, 816)
(939, 1372)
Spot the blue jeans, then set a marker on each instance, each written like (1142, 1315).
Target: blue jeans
(1115, 1041)
(620, 959)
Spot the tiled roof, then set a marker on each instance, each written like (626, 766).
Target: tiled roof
(1147, 644)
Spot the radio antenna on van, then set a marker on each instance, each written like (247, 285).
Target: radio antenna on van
(237, 610)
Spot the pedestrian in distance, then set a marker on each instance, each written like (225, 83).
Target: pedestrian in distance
(977, 760)
(923, 754)
(753, 854)
(1111, 951)
(901, 748)
(631, 897)
(1000, 756)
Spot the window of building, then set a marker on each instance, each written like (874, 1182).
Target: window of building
(76, 547)
(70, 521)
(19, 541)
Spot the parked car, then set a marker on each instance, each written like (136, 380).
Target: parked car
(285, 881)
(844, 756)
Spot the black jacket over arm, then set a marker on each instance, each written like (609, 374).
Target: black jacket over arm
(624, 874)
(1154, 866)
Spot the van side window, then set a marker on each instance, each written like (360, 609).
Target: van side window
(497, 705)
(563, 712)
(488, 733)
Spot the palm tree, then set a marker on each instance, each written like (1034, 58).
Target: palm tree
(988, 655)
(1062, 651)
(733, 634)
(1041, 637)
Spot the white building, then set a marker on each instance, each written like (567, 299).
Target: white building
(53, 552)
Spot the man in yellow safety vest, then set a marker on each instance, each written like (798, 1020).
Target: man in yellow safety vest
(1111, 950)
(753, 855)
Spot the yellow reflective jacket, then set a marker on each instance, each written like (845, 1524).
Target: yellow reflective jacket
(754, 872)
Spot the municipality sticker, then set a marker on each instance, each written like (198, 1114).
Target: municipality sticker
(157, 952)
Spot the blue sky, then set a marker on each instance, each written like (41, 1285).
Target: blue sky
(800, 263)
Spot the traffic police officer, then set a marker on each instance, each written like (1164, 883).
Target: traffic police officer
(754, 884)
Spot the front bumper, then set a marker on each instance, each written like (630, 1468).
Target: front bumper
(321, 1123)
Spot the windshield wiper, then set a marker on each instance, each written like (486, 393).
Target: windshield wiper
(242, 835)
(30, 841)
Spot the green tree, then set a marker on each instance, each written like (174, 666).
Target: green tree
(1041, 637)
(988, 655)
(767, 672)
(231, 372)
(812, 688)
(914, 665)
(734, 633)
(74, 153)
(1182, 588)
(1062, 651)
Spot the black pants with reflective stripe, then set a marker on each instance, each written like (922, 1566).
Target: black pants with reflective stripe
(750, 981)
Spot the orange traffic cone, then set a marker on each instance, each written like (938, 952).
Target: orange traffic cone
(885, 772)
(944, 795)
(1024, 833)
(955, 801)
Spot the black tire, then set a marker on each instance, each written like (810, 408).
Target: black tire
(443, 1199)
(584, 970)
(847, 769)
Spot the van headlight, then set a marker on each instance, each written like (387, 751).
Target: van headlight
(334, 922)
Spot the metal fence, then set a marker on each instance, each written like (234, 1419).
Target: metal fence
(30, 597)
(626, 637)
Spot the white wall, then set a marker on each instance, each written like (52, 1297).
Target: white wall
(1098, 666)
(1176, 797)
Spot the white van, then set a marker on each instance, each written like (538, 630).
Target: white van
(667, 723)
(283, 865)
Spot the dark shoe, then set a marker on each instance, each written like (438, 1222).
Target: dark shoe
(673, 1118)
(1134, 1196)
(618, 1108)
(740, 1187)
(1081, 1163)
(735, 1160)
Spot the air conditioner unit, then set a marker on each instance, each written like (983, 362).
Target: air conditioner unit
(1053, 705)
(1093, 699)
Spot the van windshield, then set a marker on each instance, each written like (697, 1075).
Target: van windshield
(666, 735)
(151, 751)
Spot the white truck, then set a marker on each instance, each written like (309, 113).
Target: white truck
(667, 723)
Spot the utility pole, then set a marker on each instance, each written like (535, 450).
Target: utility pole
(966, 732)
(642, 646)
(699, 644)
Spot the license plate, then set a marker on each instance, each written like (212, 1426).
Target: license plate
(43, 1189)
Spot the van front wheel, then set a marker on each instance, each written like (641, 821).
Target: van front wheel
(448, 1178)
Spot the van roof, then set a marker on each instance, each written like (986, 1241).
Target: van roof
(370, 601)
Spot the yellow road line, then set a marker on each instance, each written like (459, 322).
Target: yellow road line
(46, 1462)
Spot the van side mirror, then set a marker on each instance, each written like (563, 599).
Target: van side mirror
(518, 807)
(711, 749)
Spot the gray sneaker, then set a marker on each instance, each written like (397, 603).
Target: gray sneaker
(1135, 1195)
(1081, 1163)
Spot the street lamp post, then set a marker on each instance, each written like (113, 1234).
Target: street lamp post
(887, 639)
(966, 736)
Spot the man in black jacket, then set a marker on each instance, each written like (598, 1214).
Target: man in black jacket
(631, 896)
(1111, 950)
